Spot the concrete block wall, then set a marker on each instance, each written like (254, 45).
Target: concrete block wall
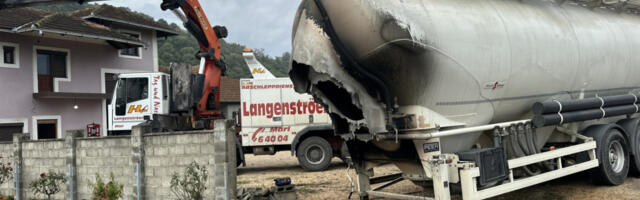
(154, 155)
(40, 157)
(6, 152)
(166, 154)
(102, 156)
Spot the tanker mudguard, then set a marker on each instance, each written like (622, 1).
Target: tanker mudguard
(492, 162)
(306, 130)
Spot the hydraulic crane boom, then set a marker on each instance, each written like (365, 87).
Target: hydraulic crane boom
(211, 66)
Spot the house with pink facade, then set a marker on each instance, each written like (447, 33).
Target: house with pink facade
(57, 69)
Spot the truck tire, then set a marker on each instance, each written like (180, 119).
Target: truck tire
(613, 156)
(314, 154)
(238, 157)
(634, 145)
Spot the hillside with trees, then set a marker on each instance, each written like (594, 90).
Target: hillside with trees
(183, 47)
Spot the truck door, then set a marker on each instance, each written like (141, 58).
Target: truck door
(132, 102)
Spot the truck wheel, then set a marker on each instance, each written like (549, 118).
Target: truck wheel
(613, 156)
(314, 154)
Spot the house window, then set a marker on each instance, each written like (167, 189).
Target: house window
(8, 127)
(133, 52)
(46, 127)
(51, 64)
(9, 55)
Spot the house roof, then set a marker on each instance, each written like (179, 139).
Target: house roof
(89, 23)
(68, 25)
(229, 90)
(119, 15)
(11, 18)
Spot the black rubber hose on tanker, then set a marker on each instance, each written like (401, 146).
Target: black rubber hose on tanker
(512, 137)
(522, 140)
(530, 138)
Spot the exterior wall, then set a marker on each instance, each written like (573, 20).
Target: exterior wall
(102, 156)
(39, 157)
(86, 61)
(229, 108)
(6, 152)
(160, 155)
(167, 154)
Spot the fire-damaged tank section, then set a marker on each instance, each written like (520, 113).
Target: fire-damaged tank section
(414, 69)
(383, 66)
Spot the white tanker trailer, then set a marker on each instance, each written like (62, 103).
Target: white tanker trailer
(445, 89)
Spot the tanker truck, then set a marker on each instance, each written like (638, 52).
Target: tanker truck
(478, 97)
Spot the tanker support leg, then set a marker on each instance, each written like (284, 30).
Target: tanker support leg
(363, 175)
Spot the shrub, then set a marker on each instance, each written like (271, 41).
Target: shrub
(7, 197)
(6, 171)
(109, 191)
(48, 184)
(192, 184)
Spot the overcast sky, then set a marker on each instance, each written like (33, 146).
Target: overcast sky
(258, 24)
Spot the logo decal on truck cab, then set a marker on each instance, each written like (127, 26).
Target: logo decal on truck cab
(257, 71)
(137, 109)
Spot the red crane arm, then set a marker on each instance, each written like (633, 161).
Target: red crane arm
(211, 66)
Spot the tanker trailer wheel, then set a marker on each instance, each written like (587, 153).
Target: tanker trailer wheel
(612, 153)
(632, 128)
(314, 154)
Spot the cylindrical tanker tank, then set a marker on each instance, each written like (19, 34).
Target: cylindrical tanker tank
(469, 62)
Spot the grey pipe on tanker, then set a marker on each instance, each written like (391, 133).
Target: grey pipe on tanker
(555, 106)
(583, 115)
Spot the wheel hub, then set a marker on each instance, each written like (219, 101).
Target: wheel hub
(616, 156)
(315, 154)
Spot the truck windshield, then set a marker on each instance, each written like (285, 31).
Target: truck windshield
(130, 90)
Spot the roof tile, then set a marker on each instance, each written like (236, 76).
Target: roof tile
(106, 12)
(14, 17)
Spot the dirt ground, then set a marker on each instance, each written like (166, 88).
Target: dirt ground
(334, 184)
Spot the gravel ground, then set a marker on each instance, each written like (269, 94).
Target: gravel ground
(334, 184)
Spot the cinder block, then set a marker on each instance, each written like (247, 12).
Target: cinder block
(177, 150)
(207, 149)
(160, 151)
(192, 149)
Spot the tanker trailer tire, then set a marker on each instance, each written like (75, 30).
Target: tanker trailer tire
(635, 151)
(612, 153)
(632, 128)
(314, 154)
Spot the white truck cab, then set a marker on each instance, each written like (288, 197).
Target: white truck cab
(136, 96)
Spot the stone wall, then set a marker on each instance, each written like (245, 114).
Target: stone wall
(156, 156)
(166, 154)
(102, 156)
(42, 156)
(6, 152)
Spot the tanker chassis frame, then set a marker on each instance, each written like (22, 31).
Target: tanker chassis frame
(446, 168)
